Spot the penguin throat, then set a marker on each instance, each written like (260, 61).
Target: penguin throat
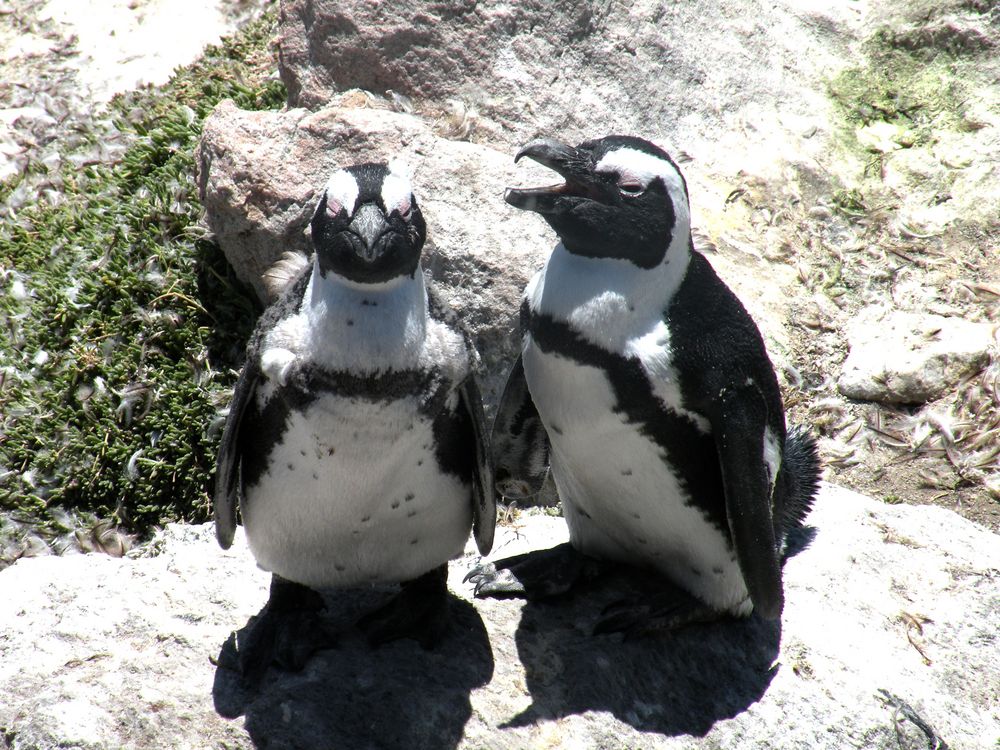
(376, 327)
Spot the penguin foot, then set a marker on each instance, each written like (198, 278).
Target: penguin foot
(533, 575)
(419, 611)
(654, 614)
(287, 631)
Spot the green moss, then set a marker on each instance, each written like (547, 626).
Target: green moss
(913, 76)
(122, 324)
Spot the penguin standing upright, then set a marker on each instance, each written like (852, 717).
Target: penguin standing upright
(646, 385)
(355, 443)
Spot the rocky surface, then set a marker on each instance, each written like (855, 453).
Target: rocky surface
(100, 652)
(908, 358)
(682, 68)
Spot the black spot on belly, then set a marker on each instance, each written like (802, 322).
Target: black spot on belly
(718, 571)
(411, 514)
(696, 572)
(636, 516)
(395, 504)
(302, 453)
(583, 513)
(409, 497)
(366, 519)
(315, 475)
(291, 466)
(413, 541)
(340, 568)
(626, 472)
(420, 462)
(350, 322)
(557, 429)
(641, 540)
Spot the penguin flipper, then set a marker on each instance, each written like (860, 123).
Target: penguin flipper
(738, 420)
(519, 442)
(484, 505)
(227, 471)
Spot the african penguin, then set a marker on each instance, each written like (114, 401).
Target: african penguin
(355, 443)
(645, 384)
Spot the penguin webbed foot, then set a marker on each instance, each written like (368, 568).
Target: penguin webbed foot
(540, 574)
(287, 632)
(655, 614)
(419, 611)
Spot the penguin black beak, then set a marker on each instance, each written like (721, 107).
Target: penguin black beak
(370, 226)
(572, 164)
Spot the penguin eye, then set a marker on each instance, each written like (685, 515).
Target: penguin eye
(333, 207)
(405, 208)
(631, 188)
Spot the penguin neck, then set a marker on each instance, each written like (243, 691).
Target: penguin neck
(609, 300)
(366, 327)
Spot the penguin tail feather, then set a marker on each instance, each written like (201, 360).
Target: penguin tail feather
(801, 467)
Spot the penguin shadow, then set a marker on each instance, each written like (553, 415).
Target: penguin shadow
(676, 683)
(398, 695)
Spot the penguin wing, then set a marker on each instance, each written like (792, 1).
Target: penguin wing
(519, 442)
(739, 418)
(227, 470)
(484, 506)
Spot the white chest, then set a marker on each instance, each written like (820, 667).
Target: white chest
(621, 497)
(353, 494)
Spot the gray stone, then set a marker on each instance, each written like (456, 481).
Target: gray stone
(564, 67)
(910, 358)
(259, 173)
(100, 652)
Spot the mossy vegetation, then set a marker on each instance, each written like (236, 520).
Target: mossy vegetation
(912, 78)
(121, 322)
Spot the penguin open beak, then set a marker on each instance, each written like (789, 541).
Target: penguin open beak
(572, 164)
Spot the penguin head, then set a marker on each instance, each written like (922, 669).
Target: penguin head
(623, 197)
(367, 226)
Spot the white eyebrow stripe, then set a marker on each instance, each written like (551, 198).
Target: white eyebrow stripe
(644, 168)
(396, 188)
(641, 167)
(342, 189)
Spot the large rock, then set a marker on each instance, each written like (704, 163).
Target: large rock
(564, 67)
(910, 358)
(259, 173)
(98, 652)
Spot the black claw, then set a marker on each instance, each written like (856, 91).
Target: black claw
(476, 573)
(534, 575)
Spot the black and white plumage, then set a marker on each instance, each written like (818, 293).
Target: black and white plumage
(355, 444)
(646, 384)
